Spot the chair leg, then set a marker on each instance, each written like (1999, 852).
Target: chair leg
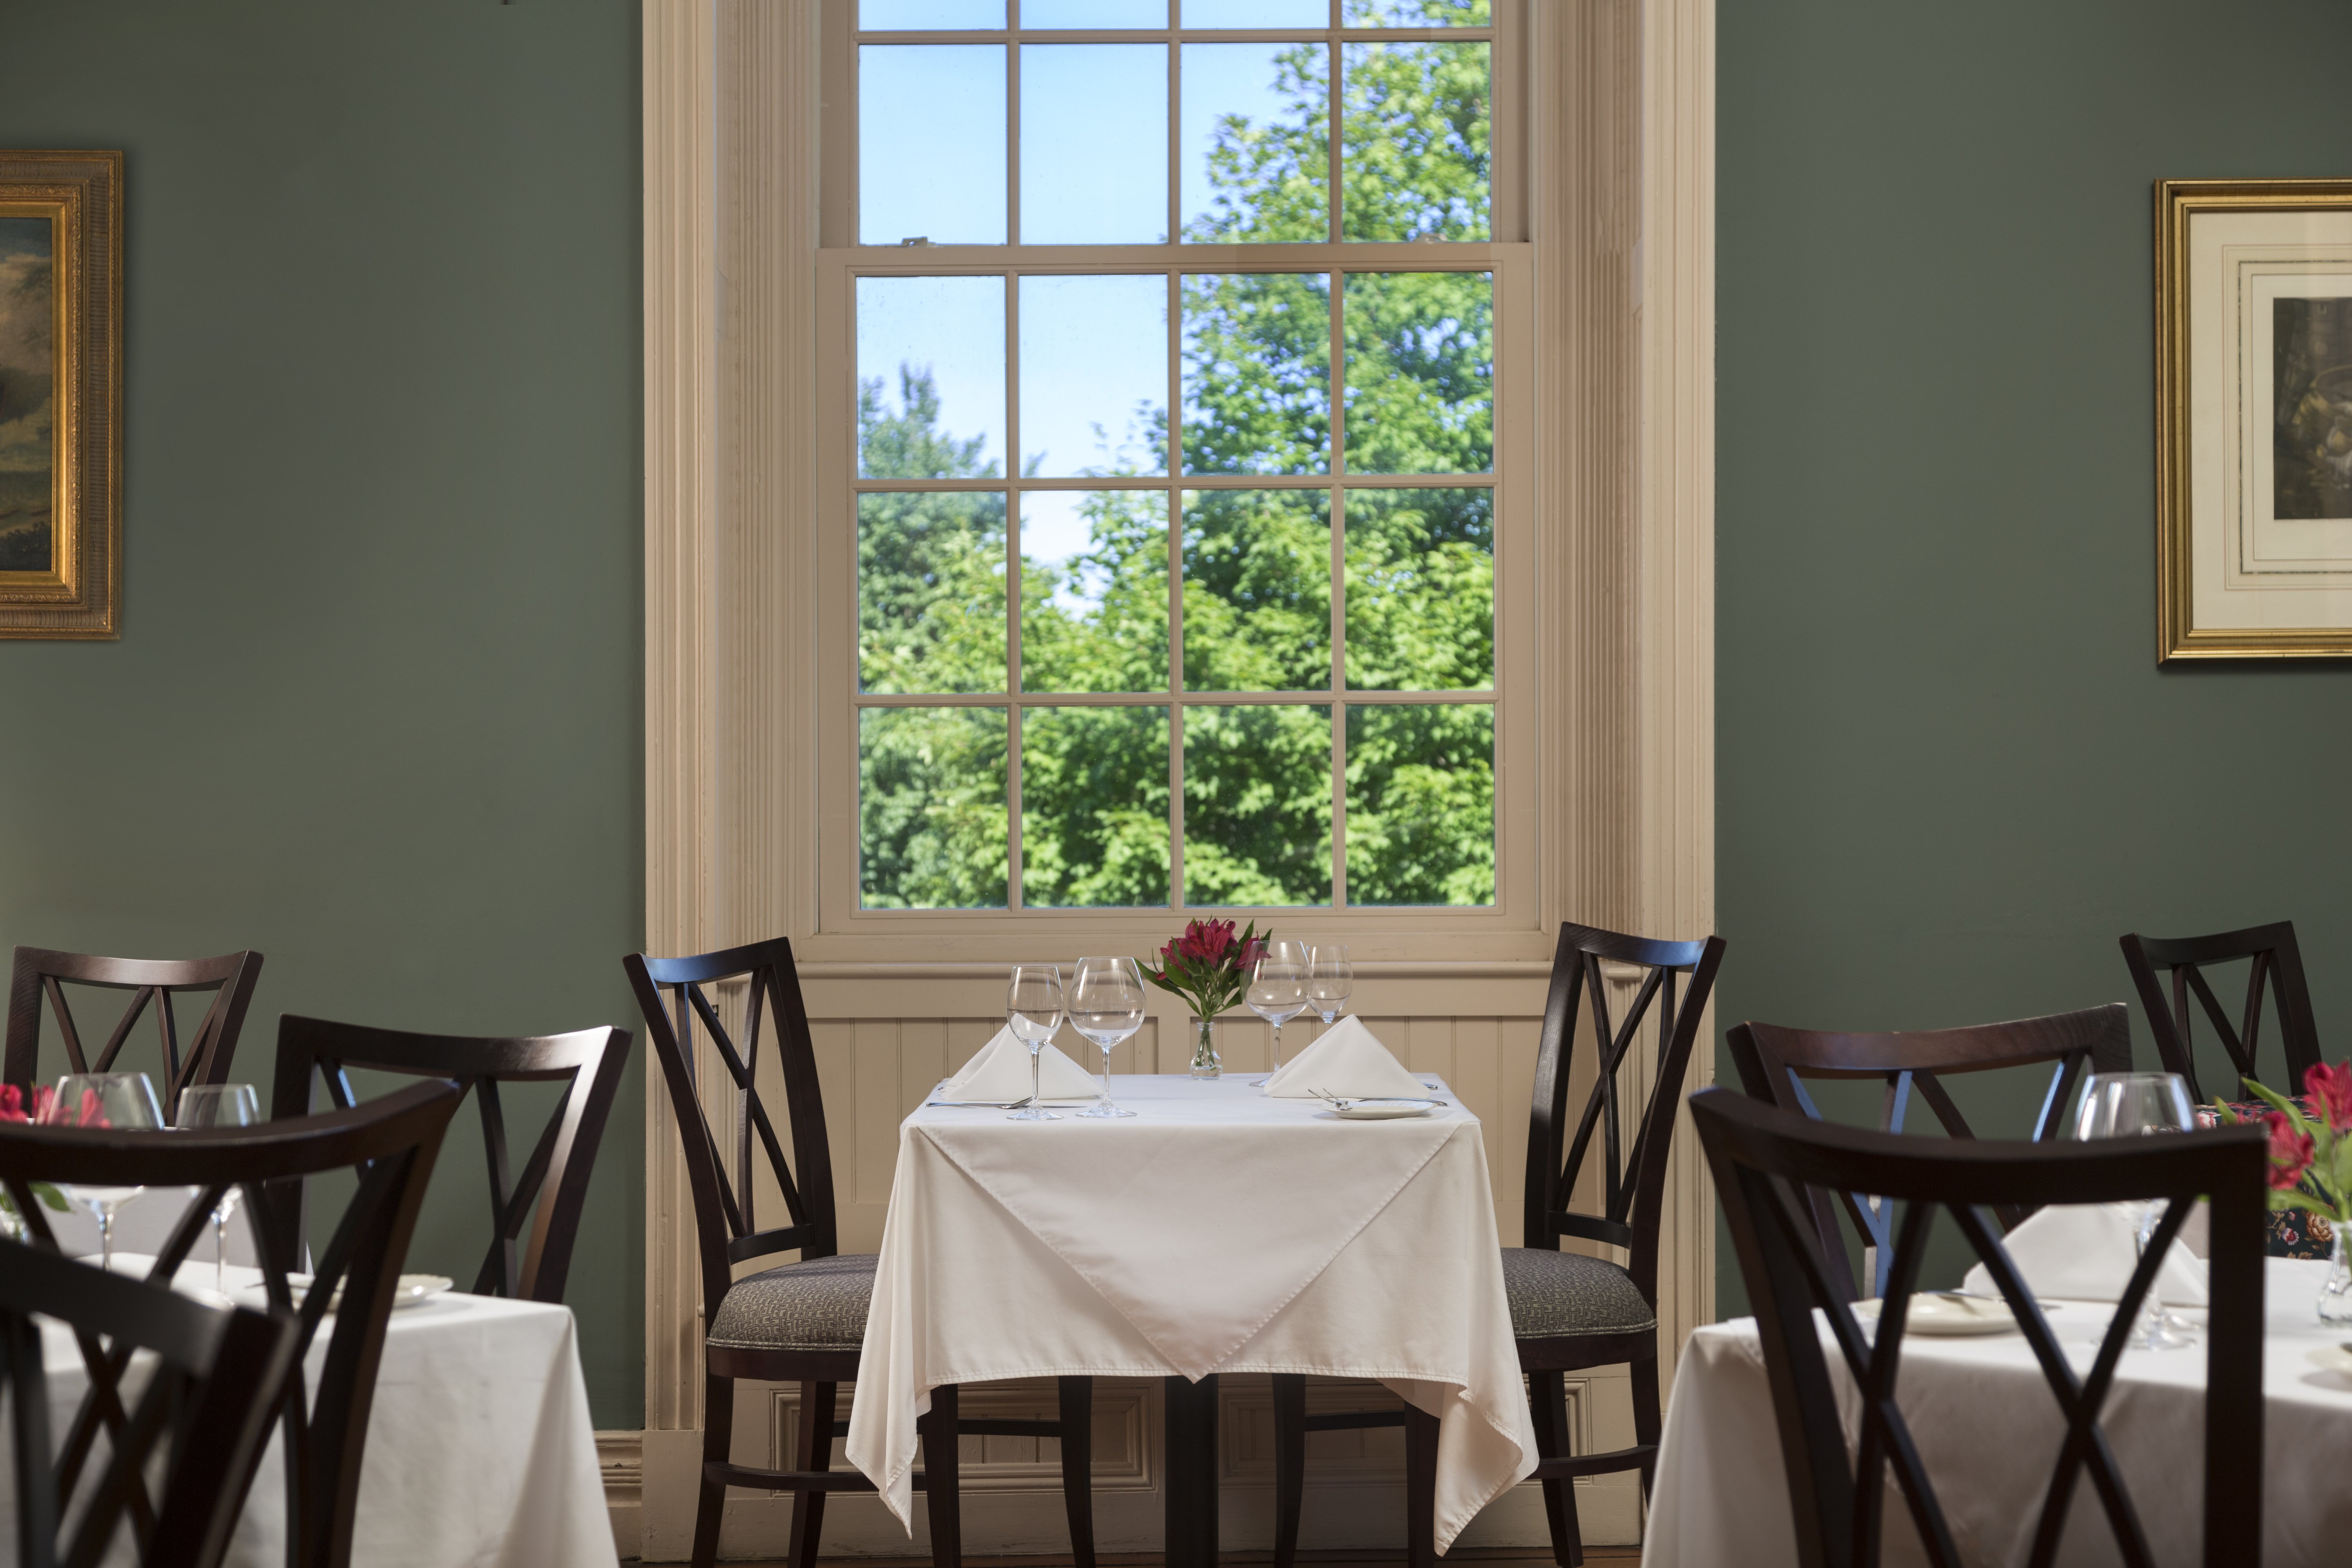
(812, 1450)
(1289, 1464)
(710, 1503)
(1547, 1403)
(1647, 1425)
(1079, 1467)
(939, 1481)
(1419, 1487)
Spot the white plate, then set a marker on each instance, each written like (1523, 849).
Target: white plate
(2330, 1358)
(1952, 1315)
(1384, 1109)
(412, 1289)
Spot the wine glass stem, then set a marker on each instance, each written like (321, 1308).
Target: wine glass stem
(1277, 1065)
(1106, 1057)
(220, 1252)
(1034, 1053)
(106, 1237)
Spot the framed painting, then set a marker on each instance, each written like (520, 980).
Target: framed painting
(2254, 377)
(61, 394)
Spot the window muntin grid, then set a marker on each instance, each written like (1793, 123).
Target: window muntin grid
(1254, 714)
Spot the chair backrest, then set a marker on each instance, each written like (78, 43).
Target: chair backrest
(725, 1223)
(195, 1428)
(390, 1145)
(553, 1180)
(41, 974)
(1633, 1175)
(1774, 1063)
(2277, 963)
(1763, 1159)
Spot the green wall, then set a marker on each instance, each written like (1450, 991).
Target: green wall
(1951, 773)
(375, 708)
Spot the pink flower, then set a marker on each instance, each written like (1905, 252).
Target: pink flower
(2290, 1151)
(12, 1103)
(2329, 1091)
(1252, 950)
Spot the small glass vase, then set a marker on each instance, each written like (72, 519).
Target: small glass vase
(1206, 1063)
(2336, 1296)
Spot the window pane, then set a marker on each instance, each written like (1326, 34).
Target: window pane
(1093, 12)
(1256, 149)
(1257, 591)
(1094, 590)
(1257, 806)
(906, 16)
(1420, 805)
(1420, 590)
(1413, 137)
(1257, 374)
(1414, 13)
(1094, 807)
(1093, 376)
(930, 377)
(931, 144)
(1421, 372)
(1093, 143)
(1257, 13)
(932, 819)
(930, 592)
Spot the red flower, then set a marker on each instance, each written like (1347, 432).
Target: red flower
(1206, 941)
(12, 1103)
(2329, 1091)
(1252, 950)
(2290, 1151)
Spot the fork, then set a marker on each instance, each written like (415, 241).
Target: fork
(983, 1104)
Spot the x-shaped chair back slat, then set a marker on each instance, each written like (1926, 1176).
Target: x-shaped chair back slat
(550, 1193)
(2274, 963)
(1633, 1172)
(390, 1145)
(1764, 1162)
(213, 1375)
(673, 995)
(1775, 1063)
(38, 984)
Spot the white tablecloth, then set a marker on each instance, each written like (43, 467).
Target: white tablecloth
(1987, 1430)
(480, 1451)
(1218, 1231)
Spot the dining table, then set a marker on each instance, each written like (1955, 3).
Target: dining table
(1217, 1231)
(481, 1450)
(1988, 1429)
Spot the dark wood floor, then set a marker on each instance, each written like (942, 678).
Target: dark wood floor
(1500, 1556)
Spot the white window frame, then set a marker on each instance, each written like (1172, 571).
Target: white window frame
(1517, 478)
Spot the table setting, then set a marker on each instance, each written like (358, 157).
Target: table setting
(480, 1444)
(1980, 1406)
(1034, 1233)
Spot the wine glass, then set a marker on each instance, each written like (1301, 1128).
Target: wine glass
(1107, 1006)
(121, 1101)
(1278, 992)
(219, 1105)
(1032, 1005)
(1329, 978)
(2129, 1105)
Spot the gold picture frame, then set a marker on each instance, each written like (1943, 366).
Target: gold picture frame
(60, 394)
(2254, 436)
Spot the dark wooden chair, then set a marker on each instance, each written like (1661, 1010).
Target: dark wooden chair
(1569, 1310)
(390, 1145)
(551, 1189)
(197, 1426)
(803, 1322)
(2276, 963)
(1763, 1158)
(40, 973)
(1774, 1063)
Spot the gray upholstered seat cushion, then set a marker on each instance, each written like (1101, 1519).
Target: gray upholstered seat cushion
(818, 1305)
(1557, 1293)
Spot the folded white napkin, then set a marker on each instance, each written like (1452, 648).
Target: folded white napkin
(1000, 1070)
(1345, 1059)
(2085, 1252)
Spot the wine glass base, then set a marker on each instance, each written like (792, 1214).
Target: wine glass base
(2161, 1340)
(1034, 1113)
(1105, 1112)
